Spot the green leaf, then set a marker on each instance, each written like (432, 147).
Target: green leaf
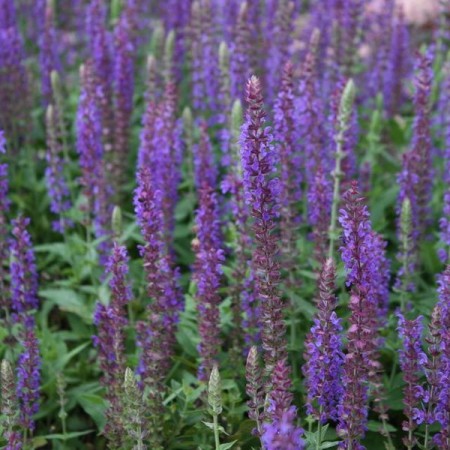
(95, 407)
(69, 301)
(67, 436)
(227, 445)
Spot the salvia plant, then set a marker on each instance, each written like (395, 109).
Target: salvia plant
(225, 224)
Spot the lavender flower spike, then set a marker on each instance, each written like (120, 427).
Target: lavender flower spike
(58, 189)
(261, 191)
(415, 180)
(324, 356)
(281, 433)
(442, 410)
(412, 362)
(28, 377)
(209, 257)
(24, 279)
(4, 208)
(110, 321)
(361, 364)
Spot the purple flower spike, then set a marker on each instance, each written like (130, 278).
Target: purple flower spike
(290, 190)
(209, 258)
(157, 336)
(323, 355)
(110, 339)
(14, 112)
(90, 150)
(54, 173)
(24, 278)
(416, 178)
(48, 55)
(100, 47)
(412, 362)
(281, 432)
(240, 53)
(261, 191)
(442, 410)
(123, 90)
(361, 364)
(28, 377)
(4, 208)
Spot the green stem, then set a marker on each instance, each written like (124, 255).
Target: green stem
(337, 174)
(216, 431)
(319, 430)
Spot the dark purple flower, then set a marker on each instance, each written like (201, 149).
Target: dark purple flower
(261, 193)
(24, 278)
(28, 377)
(412, 362)
(323, 354)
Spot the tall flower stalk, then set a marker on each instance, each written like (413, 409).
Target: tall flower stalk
(110, 341)
(343, 123)
(261, 193)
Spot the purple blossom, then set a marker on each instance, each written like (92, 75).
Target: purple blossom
(323, 354)
(100, 47)
(290, 190)
(90, 149)
(281, 432)
(279, 36)
(319, 196)
(412, 362)
(58, 189)
(28, 377)
(240, 52)
(48, 55)
(444, 222)
(209, 257)
(4, 209)
(205, 167)
(205, 68)
(399, 64)
(415, 180)
(13, 78)
(442, 410)
(156, 334)
(24, 278)
(110, 339)
(261, 193)
(123, 73)
(361, 364)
